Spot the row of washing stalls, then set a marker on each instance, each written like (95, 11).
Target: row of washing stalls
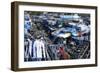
(76, 52)
(80, 50)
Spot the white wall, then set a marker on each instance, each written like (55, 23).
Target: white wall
(5, 32)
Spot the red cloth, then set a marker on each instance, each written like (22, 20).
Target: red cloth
(64, 54)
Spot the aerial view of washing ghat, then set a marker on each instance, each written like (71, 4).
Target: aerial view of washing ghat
(56, 36)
